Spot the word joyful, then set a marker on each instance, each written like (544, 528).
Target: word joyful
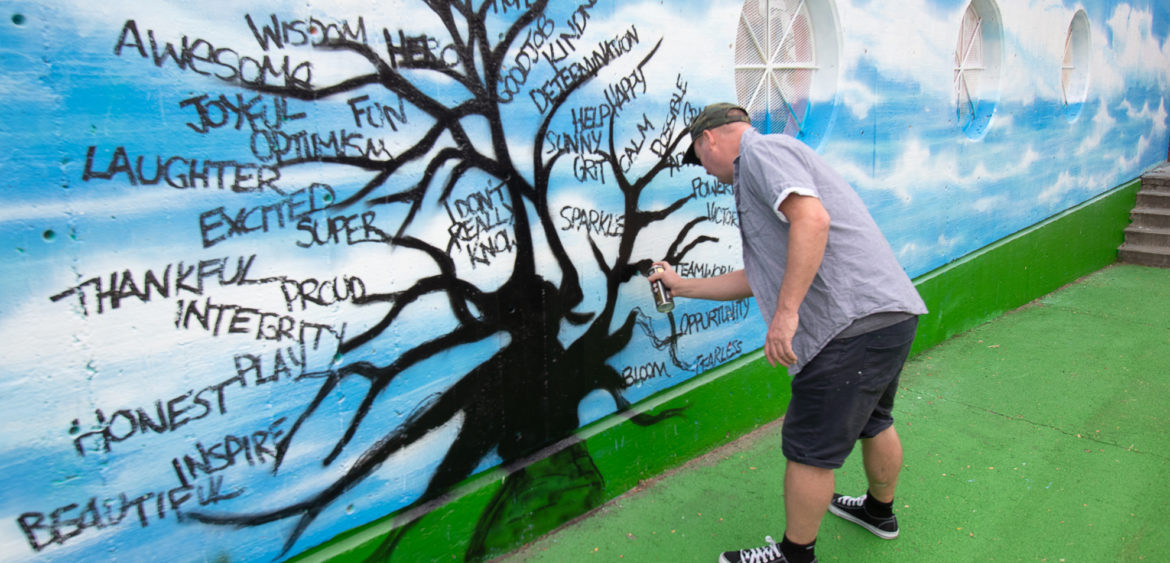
(215, 113)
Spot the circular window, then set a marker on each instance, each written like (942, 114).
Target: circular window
(1074, 72)
(978, 60)
(786, 54)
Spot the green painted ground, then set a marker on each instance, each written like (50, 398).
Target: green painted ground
(1041, 436)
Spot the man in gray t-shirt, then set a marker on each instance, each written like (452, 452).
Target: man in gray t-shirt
(841, 315)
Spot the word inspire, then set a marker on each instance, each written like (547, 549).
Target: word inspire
(69, 521)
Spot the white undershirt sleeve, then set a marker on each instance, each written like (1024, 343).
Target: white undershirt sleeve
(784, 194)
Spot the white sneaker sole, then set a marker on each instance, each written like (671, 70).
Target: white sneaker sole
(873, 530)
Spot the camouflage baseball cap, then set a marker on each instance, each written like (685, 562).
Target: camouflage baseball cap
(711, 117)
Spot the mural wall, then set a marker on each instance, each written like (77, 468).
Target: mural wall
(276, 271)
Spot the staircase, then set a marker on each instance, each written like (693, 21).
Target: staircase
(1147, 239)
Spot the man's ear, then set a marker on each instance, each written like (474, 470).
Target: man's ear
(709, 134)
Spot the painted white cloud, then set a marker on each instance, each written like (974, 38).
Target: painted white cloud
(915, 43)
(1133, 44)
(909, 41)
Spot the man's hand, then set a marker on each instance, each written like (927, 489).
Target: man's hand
(667, 276)
(778, 344)
(727, 287)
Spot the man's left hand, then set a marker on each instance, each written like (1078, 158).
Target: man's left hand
(778, 344)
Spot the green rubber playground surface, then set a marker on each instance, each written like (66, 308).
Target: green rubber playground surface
(1043, 435)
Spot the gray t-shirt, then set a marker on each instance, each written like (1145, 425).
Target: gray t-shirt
(859, 276)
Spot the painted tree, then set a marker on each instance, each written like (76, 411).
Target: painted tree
(544, 378)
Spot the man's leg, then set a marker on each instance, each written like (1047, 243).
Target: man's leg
(882, 457)
(807, 493)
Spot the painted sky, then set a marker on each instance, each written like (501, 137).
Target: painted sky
(936, 193)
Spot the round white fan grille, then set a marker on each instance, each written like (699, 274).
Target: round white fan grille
(775, 61)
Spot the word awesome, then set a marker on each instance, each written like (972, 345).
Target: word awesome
(201, 57)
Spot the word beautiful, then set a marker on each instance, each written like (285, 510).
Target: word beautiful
(58, 526)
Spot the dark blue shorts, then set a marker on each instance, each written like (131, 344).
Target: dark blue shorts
(845, 393)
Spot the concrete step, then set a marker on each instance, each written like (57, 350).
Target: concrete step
(1147, 236)
(1144, 255)
(1150, 217)
(1157, 180)
(1154, 199)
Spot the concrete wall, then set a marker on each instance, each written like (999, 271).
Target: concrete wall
(278, 271)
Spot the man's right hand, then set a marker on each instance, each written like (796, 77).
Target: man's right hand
(668, 276)
(726, 287)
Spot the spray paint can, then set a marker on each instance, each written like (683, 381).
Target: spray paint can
(662, 298)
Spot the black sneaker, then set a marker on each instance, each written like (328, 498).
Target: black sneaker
(853, 510)
(767, 554)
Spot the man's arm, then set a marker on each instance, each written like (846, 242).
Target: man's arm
(727, 287)
(807, 236)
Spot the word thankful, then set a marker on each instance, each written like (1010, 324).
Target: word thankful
(183, 277)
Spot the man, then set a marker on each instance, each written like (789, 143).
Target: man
(841, 316)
